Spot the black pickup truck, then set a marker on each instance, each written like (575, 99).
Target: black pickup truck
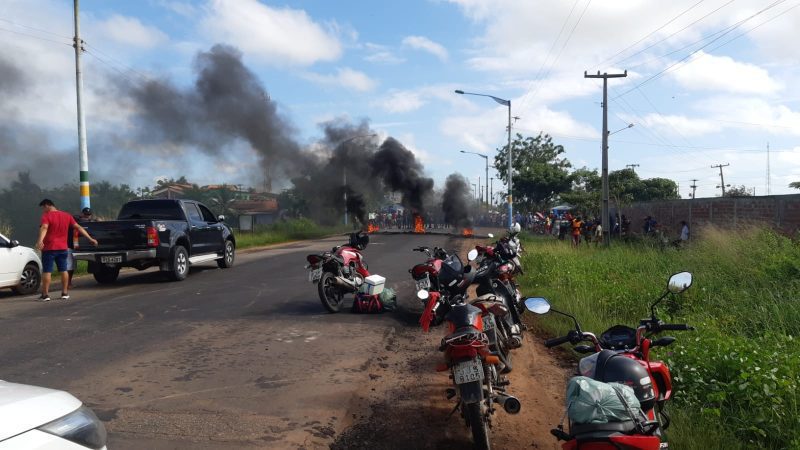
(170, 234)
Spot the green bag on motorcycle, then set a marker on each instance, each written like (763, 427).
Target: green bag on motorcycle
(592, 401)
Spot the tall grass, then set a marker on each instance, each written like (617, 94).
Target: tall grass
(737, 377)
(292, 230)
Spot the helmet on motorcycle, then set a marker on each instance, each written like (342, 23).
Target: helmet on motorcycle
(359, 240)
(514, 229)
(611, 367)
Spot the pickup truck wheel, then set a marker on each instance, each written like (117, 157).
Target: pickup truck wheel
(228, 256)
(105, 275)
(180, 264)
(29, 281)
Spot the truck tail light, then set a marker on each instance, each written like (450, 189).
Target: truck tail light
(152, 237)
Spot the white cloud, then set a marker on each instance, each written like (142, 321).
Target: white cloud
(275, 36)
(129, 31)
(408, 100)
(668, 124)
(181, 8)
(753, 113)
(723, 73)
(344, 77)
(427, 45)
(381, 54)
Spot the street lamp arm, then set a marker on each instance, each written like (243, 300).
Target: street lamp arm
(497, 99)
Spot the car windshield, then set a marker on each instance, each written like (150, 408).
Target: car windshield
(151, 209)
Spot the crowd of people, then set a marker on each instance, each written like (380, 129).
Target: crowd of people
(590, 230)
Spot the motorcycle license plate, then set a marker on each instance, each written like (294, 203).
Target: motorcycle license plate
(315, 275)
(424, 283)
(488, 322)
(468, 371)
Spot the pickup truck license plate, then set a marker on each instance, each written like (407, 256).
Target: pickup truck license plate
(111, 259)
(315, 275)
(468, 371)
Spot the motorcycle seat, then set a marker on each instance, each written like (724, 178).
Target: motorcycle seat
(594, 430)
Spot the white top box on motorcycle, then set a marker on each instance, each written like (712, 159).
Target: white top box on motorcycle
(373, 285)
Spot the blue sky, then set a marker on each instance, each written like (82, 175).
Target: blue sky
(397, 64)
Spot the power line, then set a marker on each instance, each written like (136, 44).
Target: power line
(563, 46)
(120, 63)
(649, 34)
(35, 29)
(35, 37)
(673, 34)
(660, 73)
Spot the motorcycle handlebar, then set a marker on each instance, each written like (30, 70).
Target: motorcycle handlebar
(675, 327)
(557, 341)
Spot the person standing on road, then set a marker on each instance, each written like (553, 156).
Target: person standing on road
(577, 225)
(85, 216)
(53, 234)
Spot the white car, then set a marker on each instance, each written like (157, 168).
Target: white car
(20, 267)
(33, 417)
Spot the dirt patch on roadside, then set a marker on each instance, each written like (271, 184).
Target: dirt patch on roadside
(403, 404)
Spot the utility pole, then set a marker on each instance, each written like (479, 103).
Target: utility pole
(721, 177)
(604, 218)
(83, 154)
(769, 181)
(694, 187)
(691, 202)
(491, 191)
(632, 166)
(480, 191)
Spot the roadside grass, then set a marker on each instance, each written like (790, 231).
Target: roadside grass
(737, 378)
(292, 230)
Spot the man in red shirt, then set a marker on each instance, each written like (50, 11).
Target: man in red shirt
(53, 234)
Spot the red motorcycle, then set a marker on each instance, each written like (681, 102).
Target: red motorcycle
(473, 365)
(340, 271)
(622, 354)
(426, 275)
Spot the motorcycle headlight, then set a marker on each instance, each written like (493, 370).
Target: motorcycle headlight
(80, 426)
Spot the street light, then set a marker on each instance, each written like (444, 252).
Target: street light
(487, 169)
(344, 168)
(506, 103)
(630, 125)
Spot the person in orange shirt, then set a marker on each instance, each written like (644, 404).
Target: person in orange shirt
(577, 225)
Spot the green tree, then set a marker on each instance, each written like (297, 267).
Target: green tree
(738, 191)
(584, 194)
(795, 184)
(540, 172)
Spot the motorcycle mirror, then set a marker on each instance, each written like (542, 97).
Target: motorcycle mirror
(422, 294)
(537, 305)
(679, 282)
(490, 235)
(472, 255)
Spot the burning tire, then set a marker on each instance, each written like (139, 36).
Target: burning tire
(329, 294)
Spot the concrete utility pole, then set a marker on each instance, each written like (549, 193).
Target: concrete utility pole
(604, 218)
(694, 187)
(721, 177)
(632, 166)
(769, 180)
(83, 154)
(491, 191)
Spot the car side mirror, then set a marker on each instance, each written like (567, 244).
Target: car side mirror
(14, 243)
(221, 218)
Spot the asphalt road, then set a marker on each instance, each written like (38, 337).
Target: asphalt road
(245, 357)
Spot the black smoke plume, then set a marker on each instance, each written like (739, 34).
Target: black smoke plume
(457, 202)
(227, 102)
(400, 172)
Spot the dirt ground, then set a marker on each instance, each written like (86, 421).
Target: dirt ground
(403, 404)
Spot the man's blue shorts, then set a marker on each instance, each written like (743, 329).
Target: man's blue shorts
(59, 257)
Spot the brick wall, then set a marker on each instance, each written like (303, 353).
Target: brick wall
(781, 212)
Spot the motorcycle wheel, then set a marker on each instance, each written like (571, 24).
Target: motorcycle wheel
(477, 423)
(330, 295)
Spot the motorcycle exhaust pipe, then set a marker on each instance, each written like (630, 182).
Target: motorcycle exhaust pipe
(345, 283)
(510, 404)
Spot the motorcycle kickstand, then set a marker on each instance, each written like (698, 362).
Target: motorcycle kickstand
(458, 405)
